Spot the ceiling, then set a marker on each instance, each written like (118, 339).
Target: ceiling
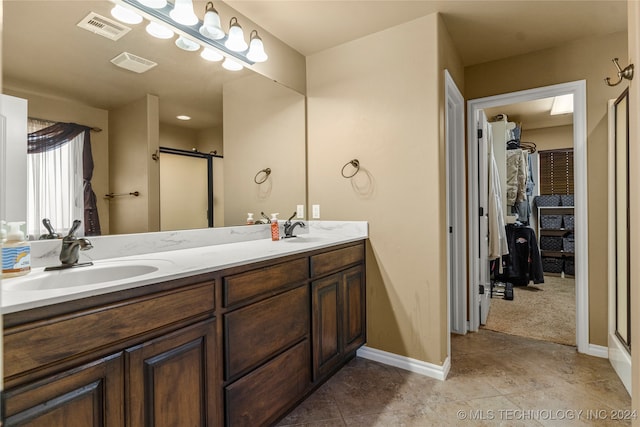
(531, 114)
(44, 51)
(482, 30)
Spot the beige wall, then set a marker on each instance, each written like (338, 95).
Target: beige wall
(634, 206)
(552, 138)
(134, 138)
(63, 110)
(388, 114)
(264, 127)
(588, 59)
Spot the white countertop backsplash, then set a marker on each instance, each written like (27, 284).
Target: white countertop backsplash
(175, 254)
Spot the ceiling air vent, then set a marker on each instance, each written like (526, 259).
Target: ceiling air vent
(102, 26)
(133, 63)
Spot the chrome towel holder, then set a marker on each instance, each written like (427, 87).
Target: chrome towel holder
(266, 172)
(355, 163)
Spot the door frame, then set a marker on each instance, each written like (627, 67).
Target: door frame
(456, 209)
(578, 90)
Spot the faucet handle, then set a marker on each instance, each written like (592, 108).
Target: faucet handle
(291, 217)
(74, 227)
(52, 234)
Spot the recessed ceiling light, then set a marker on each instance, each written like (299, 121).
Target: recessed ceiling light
(562, 105)
(183, 117)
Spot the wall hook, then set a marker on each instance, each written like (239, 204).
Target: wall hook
(156, 156)
(627, 73)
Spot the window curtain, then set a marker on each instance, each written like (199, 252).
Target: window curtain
(60, 171)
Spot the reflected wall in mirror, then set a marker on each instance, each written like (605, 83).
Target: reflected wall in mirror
(621, 168)
(65, 74)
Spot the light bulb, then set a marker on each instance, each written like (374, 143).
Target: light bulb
(235, 41)
(211, 55)
(159, 31)
(186, 44)
(211, 27)
(183, 14)
(125, 15)
(256, 48)
(153, 4)
(231, 65)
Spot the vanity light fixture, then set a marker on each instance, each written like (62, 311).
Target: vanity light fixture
(186, 44)
(159, 31)
(211, 27)
(211, 55)
(178, 17)
(154, 4)
(231, 65)
(183, 13)
(256, 48)
(235, 40)
(125, 15)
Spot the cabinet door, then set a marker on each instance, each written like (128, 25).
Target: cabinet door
(327, 345)
(89, 395)
(353, 309)
(171, 379)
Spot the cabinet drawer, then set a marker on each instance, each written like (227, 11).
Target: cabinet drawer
(70, 335)
(335, 260)
(261, 330)
(262, 396)
(264, 281)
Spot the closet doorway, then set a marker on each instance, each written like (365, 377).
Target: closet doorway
(478, 212)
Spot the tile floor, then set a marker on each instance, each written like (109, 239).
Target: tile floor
(495, 380)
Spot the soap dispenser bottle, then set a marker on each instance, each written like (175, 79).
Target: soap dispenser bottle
(16, 252)
(250, 220)
(275, 230)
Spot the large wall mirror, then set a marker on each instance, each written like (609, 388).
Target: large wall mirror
(240, 121)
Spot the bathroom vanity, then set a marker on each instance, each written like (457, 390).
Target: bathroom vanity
(238, 345)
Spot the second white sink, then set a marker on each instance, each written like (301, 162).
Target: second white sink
(77, 276)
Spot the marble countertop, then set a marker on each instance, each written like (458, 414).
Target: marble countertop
(162, 263)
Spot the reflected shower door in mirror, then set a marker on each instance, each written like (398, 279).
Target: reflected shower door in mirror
(622, 277)
(66, 75)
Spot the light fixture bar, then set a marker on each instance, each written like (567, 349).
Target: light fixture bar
(162, 15)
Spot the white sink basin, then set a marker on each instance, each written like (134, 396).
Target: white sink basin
(77, 276)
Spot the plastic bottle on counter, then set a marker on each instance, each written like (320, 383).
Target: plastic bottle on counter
(16, 252)
(275, 230)
(250, 220)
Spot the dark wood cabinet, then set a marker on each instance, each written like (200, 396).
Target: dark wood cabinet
(86, 396)
(338, 306)
(171, 379)
(189, 352)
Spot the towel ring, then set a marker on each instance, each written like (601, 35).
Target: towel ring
(355, 163)
(266, 173)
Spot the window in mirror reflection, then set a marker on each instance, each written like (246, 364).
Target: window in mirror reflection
(60, 166)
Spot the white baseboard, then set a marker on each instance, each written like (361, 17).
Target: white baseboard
(413, 365)
(597, 351)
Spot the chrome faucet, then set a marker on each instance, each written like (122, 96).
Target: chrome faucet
(289, 226)
(72, 245)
